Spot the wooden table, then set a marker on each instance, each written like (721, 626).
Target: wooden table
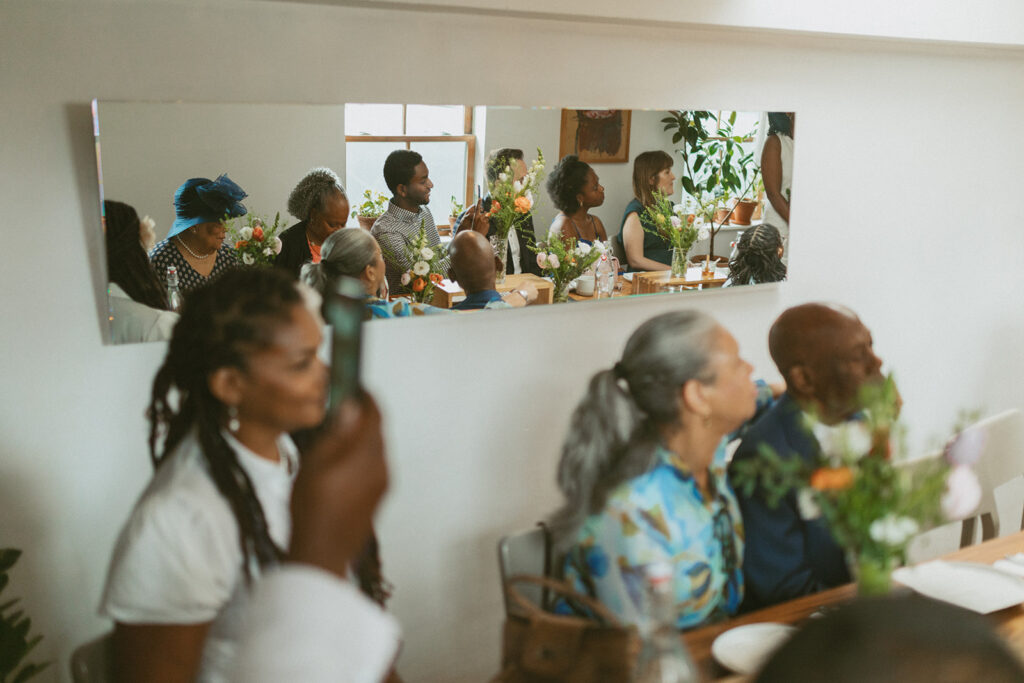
(1009, 622)
(445, 294)
(652, 282)
(623, 287)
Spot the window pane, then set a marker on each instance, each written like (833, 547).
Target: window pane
(364, 169)
(425, 119)
(373, 119)
(746, 121)
(446, 163)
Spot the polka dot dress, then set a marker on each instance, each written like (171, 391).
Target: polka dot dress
(166, 254)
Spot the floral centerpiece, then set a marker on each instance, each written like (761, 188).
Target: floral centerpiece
(871, 498)
(511, 203)
(564, 259)
(374, 204)
(673, 223)
(255, 243)
(15, 642)
(425, 272)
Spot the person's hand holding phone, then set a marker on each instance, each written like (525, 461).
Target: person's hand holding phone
(475, 218)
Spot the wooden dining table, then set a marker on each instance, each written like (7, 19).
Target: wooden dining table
(1008, 622)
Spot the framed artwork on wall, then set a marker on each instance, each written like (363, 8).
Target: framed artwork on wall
(596, 135)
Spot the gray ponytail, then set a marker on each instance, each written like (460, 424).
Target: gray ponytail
(615, 429)
(345, 252)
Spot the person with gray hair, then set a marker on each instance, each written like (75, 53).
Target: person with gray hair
(354, 253)
(643, 471)
(320, 204)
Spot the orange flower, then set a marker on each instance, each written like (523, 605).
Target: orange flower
(257, 233)
(418, 284)
(495, 207)
(523, 205)
(241, 244)
(436, 278)
(832, 478)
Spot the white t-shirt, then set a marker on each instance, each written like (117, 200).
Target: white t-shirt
(178, 559)
(304, 624)
(132, 321)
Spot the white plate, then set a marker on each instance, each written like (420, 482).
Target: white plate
(745, 648)
(977, 587)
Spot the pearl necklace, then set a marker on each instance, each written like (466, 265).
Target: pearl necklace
(194, 254)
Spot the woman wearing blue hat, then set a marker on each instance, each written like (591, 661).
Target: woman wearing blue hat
(195, 243)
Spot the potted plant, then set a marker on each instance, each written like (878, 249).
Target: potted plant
(457, 208)
(747, 204)
(373, 205)
(15, 643)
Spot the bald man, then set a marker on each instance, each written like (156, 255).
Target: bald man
(825, 354)
(473, 266)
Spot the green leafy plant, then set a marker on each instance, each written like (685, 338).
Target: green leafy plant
(457, 207)
(15, 643)
(372, 206)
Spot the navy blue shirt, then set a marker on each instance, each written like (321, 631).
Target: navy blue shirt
(478, 300)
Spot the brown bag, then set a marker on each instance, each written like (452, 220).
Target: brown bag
(542, 647)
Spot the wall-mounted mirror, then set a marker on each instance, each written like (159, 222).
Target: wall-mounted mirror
(655, 201)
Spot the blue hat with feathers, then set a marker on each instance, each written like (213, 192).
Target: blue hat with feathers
(201, 200)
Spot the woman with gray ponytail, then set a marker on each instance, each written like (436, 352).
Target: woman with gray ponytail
(354, 253)
(643, 471)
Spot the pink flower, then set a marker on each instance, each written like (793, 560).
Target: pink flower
(677, 222)
(542, 259)
(963, 493)
(553, 262)
(966, 447)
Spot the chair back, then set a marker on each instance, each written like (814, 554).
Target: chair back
(1001, 461)
(93, 661)
(526, 552)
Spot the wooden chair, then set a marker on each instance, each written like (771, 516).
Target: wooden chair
(93, 661)
(526, 552)
(1001, 461)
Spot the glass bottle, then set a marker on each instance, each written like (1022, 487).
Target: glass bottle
(605, 277)
(663, 658)
(173, 293)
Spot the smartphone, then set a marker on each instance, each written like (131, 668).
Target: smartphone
(343, 311)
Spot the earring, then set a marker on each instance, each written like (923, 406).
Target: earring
(233, 424)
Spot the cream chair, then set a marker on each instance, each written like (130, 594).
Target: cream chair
(1001, 461)
(92, 662)
(526, 552)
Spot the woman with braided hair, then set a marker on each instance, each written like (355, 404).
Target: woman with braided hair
(758, 257)
(241, 372)
(643, 471)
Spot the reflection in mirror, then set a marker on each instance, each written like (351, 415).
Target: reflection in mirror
(577, 205)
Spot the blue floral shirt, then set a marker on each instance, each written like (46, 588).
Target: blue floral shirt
(662, 516)
(399, 308)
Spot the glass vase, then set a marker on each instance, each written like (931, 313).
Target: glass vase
(500, 246)
(678, 266)
(872, 574)
(561, 294)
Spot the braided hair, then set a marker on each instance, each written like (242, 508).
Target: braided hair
(221, 323)
(127, 264)
(757, 257)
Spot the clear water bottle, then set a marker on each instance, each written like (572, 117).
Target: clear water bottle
(664, 658)
(605, 277)
(173, 294)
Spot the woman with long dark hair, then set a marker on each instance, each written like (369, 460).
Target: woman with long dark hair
(646, 250)
(138, 300)
(241, 372)
(758, 257)
(643, 471)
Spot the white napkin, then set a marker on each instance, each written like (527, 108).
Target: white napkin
(978, 587)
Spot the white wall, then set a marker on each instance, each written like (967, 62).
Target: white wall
(481, 462)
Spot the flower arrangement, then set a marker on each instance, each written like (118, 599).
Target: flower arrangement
(15, 642)
(425, 272)
(675, 224)
(372, 206)
(255, 243)
(512, 200)
(564, 259)
(873, 504)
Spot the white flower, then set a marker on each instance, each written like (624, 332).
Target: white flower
(269, 251)
(678, 209)
(517, 186)
(426, 253)
(529, 195)
(406, 278)
(582, 249)
(601, 247)
(844, 441)
(421, 268)
(503, 177)
(278, 244)
(892, 530)
(245, 233)
(807, 504)
(703, 233)
(248, 259)
(677, 222)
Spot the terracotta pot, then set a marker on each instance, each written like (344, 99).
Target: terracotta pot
(743, 212)
(720, 216)
(366, 222)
